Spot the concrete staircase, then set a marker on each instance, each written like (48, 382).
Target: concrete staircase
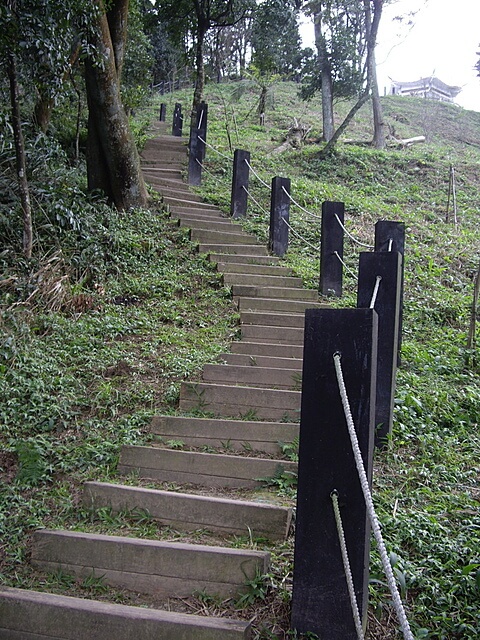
(253, 394)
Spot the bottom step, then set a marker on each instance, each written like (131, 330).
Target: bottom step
(31, 615)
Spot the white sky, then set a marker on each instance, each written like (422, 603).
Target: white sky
(443, 41)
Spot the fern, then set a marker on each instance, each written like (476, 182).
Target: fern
(32, 462)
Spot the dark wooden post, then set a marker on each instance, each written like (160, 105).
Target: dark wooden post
(386, 300)
(177, 120)
(390, 236)
(194, 164)
(202, 117)
(279, 215)
(320, 600)
(241, 174)
(163, 112)
(331, 249)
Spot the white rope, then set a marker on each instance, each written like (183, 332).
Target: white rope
(397, 601)
(213, 148)
(375, 292)
(262, 209)
(346, 565)
(295, 233)
(200, 119)
(349, 271)
(300, 206)
(361, 244)
(390, 244)
(257, 176)
(210, 173)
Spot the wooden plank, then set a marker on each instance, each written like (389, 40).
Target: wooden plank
(190, 512)
(224, 400)
(198, 468)
(286, 335)
(31, 615)
(165, 569)
(234, 434)
(249, 376)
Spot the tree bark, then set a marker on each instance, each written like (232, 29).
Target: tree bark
(326, 77)
(113, 163)
(371, 26)
(20, 156)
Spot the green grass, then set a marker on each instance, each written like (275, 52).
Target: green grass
(141, 311)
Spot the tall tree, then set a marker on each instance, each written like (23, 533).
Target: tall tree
(11, 39)
(113, 163)
(276, 43)
(345, 34)
(201, 16)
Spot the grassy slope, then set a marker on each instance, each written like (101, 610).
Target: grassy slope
(77, 384)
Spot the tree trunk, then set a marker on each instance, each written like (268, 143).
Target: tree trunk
(20, 156)
(371, 27)
(326, 76)
(200, 66)
(328, 148)
(113, 164)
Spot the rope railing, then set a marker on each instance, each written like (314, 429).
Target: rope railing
(360, 244)
(214, 149)
(300, 206)
(346, 267)
(295, 233)
(210, 173)
(346, 565)
(262, 209)
(375, 292)
(257, 176)
(397, 601)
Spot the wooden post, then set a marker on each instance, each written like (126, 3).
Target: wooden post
(386, 300)
(390, 236)
(196, 145)
(202, 116)
(320, 600)
(163, 112)
(279, 215)
(194, 164)
(177, 120)
(241, 173)
(331, 249)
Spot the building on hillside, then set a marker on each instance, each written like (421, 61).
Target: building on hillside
(431, 88)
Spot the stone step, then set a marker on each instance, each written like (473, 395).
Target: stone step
(278, 305)
(172, 175)
(164, 569)
(267, 349)
(190, 512)
(247, 259)
(166, 184)
(267, 319)
(251, 279)
(239, 435)
(219, 237)
(236, 401)
(197, 468)
(207, 224)
(252, 291)
(252, 376)
(32, 615)
(185, 195)
(243, 249)
(264, 270)
(179, 210)
(284, 335)
(203, 218)
(261, 361)
(191, 201)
